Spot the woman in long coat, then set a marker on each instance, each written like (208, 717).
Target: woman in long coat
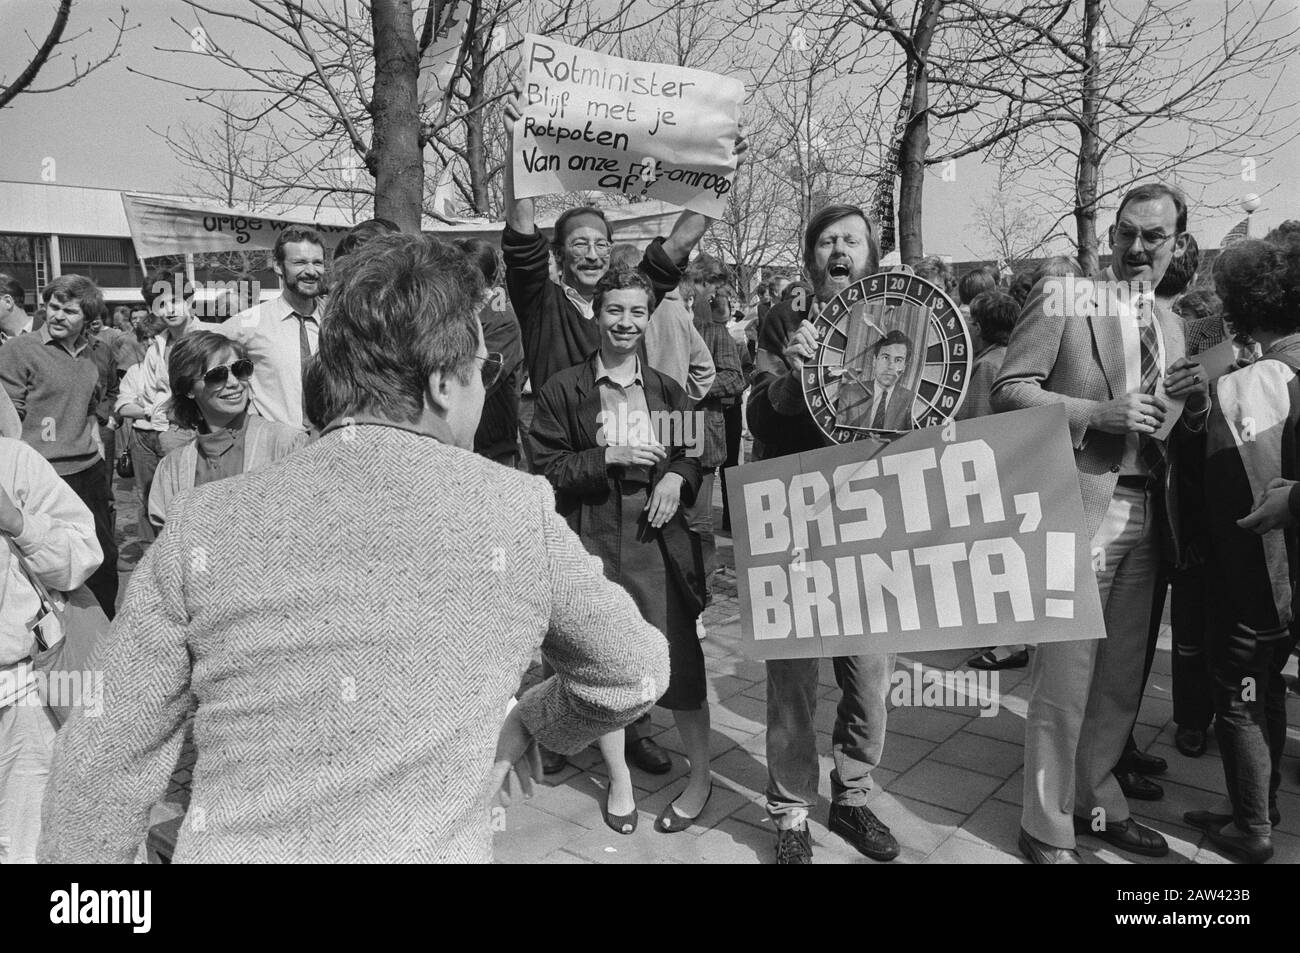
(610, 436)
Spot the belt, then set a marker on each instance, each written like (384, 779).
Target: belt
(1137, 482)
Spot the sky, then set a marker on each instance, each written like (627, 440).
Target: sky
(97, 133)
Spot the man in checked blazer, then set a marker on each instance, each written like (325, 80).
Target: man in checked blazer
(1098, 347)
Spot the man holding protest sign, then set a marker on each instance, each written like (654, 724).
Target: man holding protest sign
(1114, 356)
(556, 316)
(839, 248)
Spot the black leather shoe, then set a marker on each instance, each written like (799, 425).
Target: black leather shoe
(1137, 787)
(1036, 852)
(794, 846)
(989, 661)
(1204, 820)
(1190, 741)
(1247, 848)
(553, 763)
(1126, 835)
(648, 756)
(863, 830)
(1144, 763)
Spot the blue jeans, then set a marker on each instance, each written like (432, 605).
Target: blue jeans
(856, 742)
(1250, 717)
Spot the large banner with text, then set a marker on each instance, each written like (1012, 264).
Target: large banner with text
(961, 536)
(644, 130)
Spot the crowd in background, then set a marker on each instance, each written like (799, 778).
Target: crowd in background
(381, 366)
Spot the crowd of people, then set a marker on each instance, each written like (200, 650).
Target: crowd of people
(372, 501)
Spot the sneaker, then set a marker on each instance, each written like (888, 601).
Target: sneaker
(863, 830)
(700, 632)
(794, 846)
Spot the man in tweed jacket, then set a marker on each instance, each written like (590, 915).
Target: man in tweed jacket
(349, 625)
(1079, 344)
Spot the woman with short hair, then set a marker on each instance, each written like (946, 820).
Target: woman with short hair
(209, 375)
(622, 488)
(1251, 443)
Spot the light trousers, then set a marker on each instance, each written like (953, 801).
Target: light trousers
(1084, 695)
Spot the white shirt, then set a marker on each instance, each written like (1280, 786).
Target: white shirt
(882, 399)
(1130, 324)
(148, 384)
(270, 332)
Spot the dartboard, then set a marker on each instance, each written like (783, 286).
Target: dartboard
(893, 354)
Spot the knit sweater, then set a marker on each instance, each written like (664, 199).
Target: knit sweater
(62, 398)
(556, 335)
(348, 627)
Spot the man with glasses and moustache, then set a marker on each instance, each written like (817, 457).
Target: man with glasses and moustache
(556, 316)
(1102, 356)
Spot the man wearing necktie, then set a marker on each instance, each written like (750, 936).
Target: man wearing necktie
(884, 403)
(282, 334)
(1114, 357)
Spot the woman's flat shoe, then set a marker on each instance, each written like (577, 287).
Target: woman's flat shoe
(989, 662)
(671, 821)
(619, 823)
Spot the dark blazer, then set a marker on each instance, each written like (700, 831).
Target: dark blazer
(567, 452)
(856, 401)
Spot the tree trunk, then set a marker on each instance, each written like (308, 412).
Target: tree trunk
(395, 157)
(475, 148)
(883, 206)
(1088, 170)
(916, 140)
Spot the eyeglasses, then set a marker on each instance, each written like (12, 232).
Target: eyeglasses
(1126, 235)
(217, 376)
(600, 246)
(492, 364)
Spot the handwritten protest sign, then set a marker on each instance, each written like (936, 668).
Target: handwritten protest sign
(644, 130)
(926, 543)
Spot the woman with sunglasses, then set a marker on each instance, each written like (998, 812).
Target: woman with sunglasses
(209, 381)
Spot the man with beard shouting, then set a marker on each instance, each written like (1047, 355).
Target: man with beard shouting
(839, 248)
(281, 334)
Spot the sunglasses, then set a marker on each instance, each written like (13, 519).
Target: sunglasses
(492, 365)
(217, 376)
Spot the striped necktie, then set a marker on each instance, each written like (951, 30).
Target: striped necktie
(1152, 451)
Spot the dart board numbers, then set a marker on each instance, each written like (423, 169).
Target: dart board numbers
(893, 354)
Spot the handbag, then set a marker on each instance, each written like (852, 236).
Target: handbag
(123, 465)
(63, 665)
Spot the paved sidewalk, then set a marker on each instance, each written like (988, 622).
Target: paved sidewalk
(949, 783)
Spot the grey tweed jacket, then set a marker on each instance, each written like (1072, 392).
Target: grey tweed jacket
(1075, 356)
(348, 627)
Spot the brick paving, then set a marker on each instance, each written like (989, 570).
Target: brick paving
(948, 785)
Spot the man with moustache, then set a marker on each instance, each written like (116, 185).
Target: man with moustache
(282, 334)
(1102, 356)
(556, 317)
(63, 382)
(839, 248)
